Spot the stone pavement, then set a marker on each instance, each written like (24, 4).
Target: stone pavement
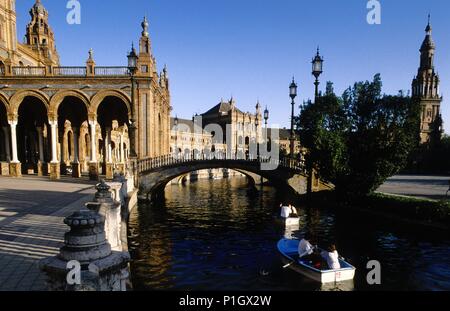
(32, 210)
(426, 187)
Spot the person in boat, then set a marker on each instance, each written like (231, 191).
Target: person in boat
(285, 211)
(305, 248)
(293, 211)
(331, 257)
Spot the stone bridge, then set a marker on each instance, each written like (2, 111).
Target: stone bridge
(155, 173)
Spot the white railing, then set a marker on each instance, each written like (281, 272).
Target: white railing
(28, 71)
(111, 71)
(148, 164)
(70, 71)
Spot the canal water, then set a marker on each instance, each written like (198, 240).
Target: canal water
(221, 235)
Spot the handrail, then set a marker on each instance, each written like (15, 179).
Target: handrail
(147, 164)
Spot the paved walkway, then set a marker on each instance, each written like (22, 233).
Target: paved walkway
(428, 187)
(32, 210)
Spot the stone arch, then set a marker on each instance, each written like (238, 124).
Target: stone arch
(5, 102)
(98, 98)
(17, 99)
(59, 97)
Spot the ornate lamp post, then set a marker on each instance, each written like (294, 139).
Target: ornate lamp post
(266, 116)
(293, 95)
(257, 137)
(266, 135)
(317, 69)
(132, 67)
(176, 136)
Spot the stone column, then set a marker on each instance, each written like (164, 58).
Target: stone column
(55, 172)
(40, 165)
(4, 166)
(76, 167)
(15, 167)
(93, 164)
(108, 155)
(7, 146)
(121, 165)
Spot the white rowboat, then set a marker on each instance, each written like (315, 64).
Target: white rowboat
(289, 251)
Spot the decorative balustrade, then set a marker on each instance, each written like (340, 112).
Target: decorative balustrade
(147, 164)
(64, 71)
(70, 71)
(28, 71)
(111, 71)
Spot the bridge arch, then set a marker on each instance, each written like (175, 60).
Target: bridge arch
(154, 180)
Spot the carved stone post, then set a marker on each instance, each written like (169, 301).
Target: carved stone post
(86, 253)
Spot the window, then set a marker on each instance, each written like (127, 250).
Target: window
(144, 68)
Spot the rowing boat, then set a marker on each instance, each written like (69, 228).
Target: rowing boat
(289, 251)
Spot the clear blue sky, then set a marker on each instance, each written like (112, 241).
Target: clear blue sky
(251, 48)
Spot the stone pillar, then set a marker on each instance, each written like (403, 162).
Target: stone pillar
(110, 209)
(41, 164)
(76, 167)
(93, 164)
(121, 165)
(7, 147)
(85, 245)
(108, 155)
(15, 167)
(55, 172)
(122, 155)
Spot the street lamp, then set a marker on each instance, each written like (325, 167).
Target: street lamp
(266, 116)
(132, 67)
(317, 69)
(176, 136)
(293, 95)
(257, 137)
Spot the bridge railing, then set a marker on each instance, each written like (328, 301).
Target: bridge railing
(147, 164)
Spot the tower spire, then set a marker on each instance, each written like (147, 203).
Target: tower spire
(425, 86)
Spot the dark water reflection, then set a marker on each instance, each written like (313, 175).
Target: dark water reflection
(219, 235)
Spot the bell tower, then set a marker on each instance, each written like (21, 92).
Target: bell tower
(40, 37)
(425, 87)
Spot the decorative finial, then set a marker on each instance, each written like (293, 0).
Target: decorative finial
(91, 54)
(429, 28)
(144, 25)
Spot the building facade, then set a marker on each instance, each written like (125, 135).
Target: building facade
(72, 120)
(239, 129)
(425, 87)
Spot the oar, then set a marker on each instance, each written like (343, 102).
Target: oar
(287, 265)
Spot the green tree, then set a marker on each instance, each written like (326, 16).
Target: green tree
(358, 140)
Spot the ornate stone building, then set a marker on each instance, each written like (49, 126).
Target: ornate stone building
(425, 87)
(75, 120)
(240, 129)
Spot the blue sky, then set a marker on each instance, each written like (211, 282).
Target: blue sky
(251, 48)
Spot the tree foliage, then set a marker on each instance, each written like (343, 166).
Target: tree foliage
(358, 140)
